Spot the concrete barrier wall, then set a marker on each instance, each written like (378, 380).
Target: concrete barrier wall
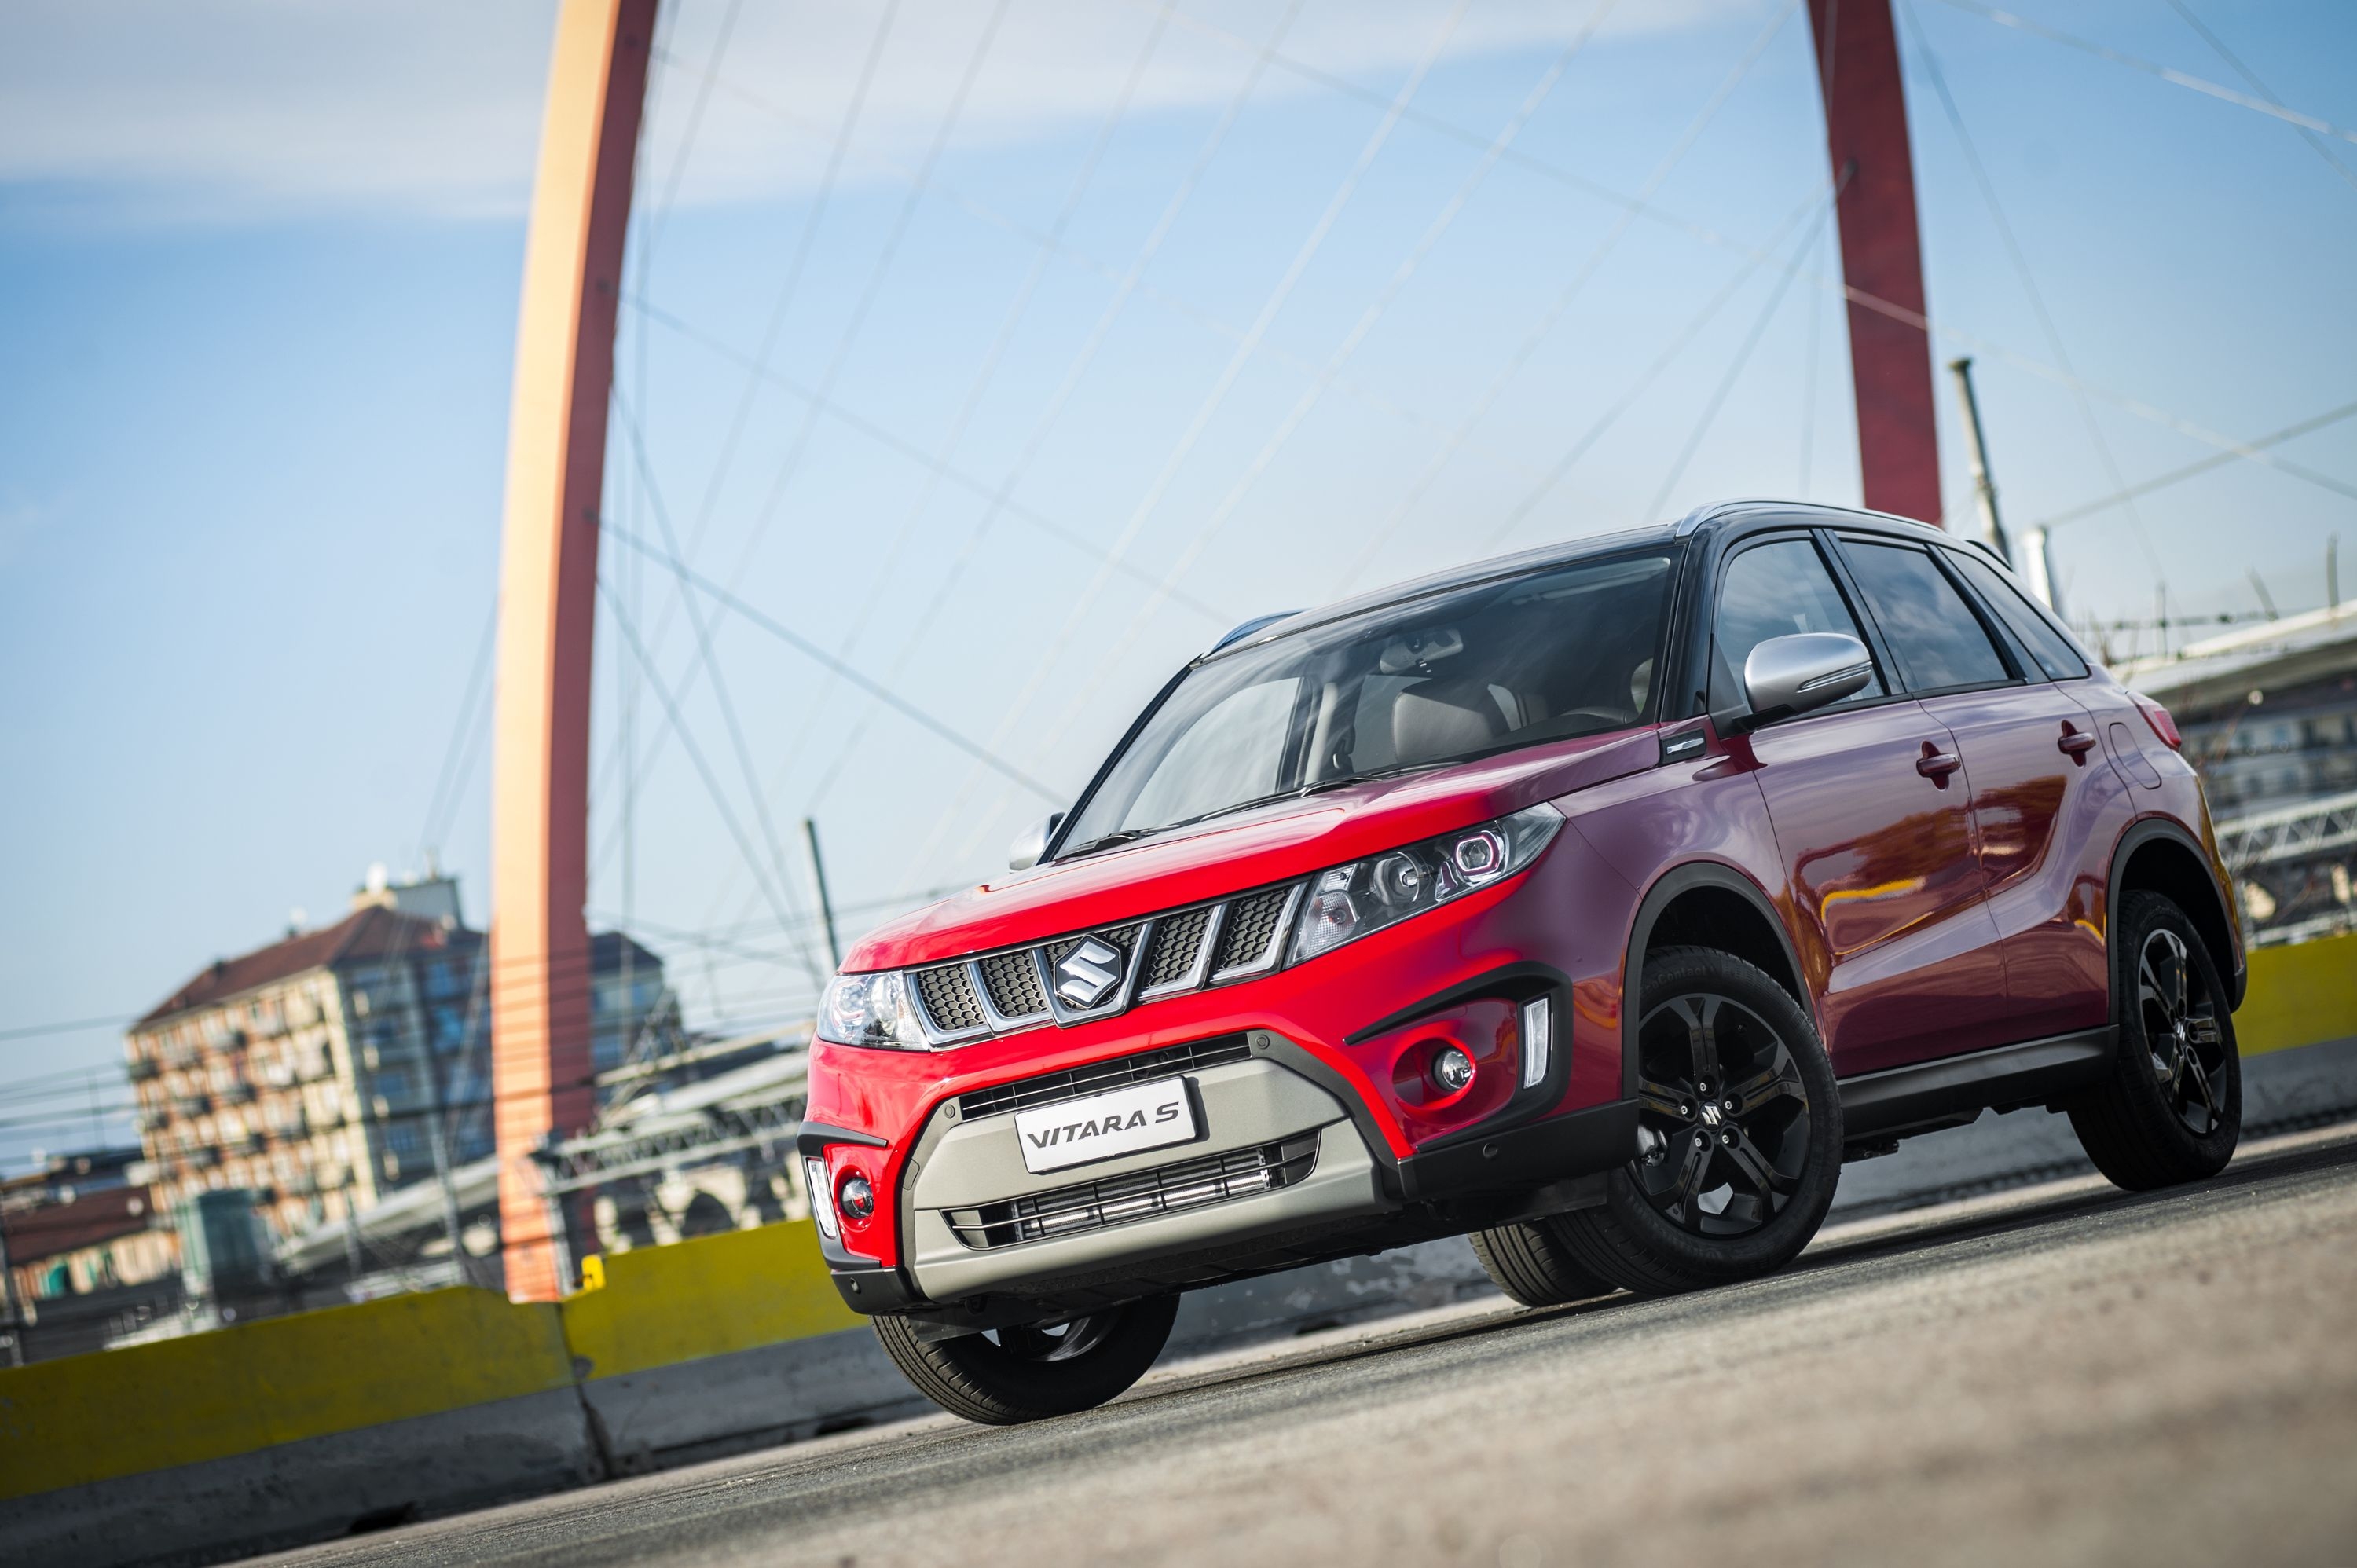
(291, 1429)
(179, 1402)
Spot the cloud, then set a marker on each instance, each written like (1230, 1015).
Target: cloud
(235, 110)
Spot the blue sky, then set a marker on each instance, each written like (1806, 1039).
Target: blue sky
(258, 271)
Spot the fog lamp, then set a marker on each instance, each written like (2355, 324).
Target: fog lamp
(858, 1197)
(1452, 1070)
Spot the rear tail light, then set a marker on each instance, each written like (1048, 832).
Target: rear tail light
(2162, 725)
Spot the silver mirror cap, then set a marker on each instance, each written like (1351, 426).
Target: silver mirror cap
(1032, 843)
(1797, 674)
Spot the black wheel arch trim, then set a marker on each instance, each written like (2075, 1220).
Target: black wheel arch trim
(2139, 833)
(1666, 888)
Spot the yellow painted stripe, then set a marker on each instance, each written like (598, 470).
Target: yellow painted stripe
(704, 1297)
(208, 1396)
(2300, 995)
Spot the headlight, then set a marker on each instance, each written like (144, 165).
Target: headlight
(1348, 901)
(870, 1010)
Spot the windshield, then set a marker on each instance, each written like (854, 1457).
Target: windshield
(1566, 651)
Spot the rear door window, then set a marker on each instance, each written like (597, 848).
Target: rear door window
(1935, 635)
(2053, 652)
(1774, 590)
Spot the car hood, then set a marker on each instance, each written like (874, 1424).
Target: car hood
(1229, 854)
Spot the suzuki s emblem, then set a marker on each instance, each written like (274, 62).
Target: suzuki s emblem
(1088, 974)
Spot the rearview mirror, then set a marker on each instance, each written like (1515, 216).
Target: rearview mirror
(1800, 673)
(1032, 843)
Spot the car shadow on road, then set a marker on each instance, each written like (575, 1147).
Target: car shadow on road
(1890, 1236)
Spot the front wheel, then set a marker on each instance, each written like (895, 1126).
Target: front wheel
(1027, 1373)
(1739, 1134)
(2172, 1109)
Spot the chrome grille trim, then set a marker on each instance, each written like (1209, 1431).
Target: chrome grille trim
(1136, 940)
(1266, 959)
(1200, 968)
(1142, 1195)
(999, 1023)
(952, 975)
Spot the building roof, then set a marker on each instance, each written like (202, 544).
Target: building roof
(606, 947)
(371, 933)
(2225, 669)
(50, 1228)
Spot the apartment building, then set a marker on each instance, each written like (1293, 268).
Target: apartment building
(335, 1066)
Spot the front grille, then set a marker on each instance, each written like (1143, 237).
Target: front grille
(1003, 991)
(1120, 1200)
(1178, 939)
(948, 995)
(1049, 1088)
(1014, 982)
(1252, 924)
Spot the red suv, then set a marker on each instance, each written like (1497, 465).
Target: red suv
(1599, 902)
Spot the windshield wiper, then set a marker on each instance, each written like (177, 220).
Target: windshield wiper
(1339, 781)
(1106, 840)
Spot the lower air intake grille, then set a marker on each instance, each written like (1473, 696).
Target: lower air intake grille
(1097, 1077)
(1118, 1201)
(949, 997)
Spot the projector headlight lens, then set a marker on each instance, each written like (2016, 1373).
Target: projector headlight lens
(1347, 901)
(871, 1010)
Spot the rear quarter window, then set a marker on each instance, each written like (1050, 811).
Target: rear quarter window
(1936, 637)
(2048, 644)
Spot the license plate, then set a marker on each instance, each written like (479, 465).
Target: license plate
(1144, 1116)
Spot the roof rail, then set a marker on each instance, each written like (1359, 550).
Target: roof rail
(1254, 625)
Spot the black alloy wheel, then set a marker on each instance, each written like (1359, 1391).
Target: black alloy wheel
(2181, 1036)
(1738, 1135)
(2171, 1109)
(1723, 1119)
(1066, 1341)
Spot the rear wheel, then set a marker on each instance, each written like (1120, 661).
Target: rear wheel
(1738, 1128)
(1027, 1373)
(2172, 1109)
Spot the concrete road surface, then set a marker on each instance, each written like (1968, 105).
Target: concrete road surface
(2065, 1374)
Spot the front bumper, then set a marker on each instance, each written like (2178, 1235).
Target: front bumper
(1337, 1049)
(1277, 1153)
(1281, 1173)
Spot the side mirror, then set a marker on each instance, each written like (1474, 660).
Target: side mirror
(1797, 674)
(1032, 843)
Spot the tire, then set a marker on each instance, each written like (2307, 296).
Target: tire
(1013, 1375)
(1770, 1165)
(2171, 1110)
(1530, 1263)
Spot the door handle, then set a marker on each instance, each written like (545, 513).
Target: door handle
(1936, 765)
(2074, 745)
